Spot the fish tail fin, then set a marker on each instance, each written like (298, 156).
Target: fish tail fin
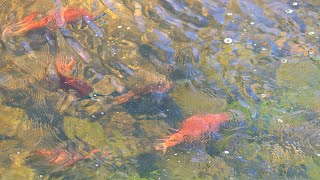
(65, 66)
(161, 147)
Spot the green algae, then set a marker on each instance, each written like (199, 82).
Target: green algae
(10, 118)
(90, 132)
(195, 102)
(301, 84)
(180, 166)
(21, 172)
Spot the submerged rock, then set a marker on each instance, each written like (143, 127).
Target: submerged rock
(149, 165)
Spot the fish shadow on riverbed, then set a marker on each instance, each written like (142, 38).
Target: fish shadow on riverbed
(155, 106)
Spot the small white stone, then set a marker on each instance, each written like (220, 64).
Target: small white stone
(252, 23)
(295, 3)
(128, 27)
(175, 154)
(280, 120)
(263, 95)
(311, 33)
(318, 155)
(311, 53)
(229, 14)
(119, 27)
(227, 40)
(263, 49)
(226, 152)
(288, 11)
(284, 61)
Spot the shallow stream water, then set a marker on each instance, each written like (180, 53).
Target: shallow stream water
(131, 73)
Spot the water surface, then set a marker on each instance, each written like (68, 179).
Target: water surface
(256, 59)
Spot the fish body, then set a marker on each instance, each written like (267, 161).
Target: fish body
(161, 87)
(25, 25)
(61, 158)
(73, 14)
(193, 128)
(81, 87)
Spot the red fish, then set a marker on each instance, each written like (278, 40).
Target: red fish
(65, 158)
(64, 69)
(68, 14)
(194, 128)
(71, 14)
(27, 24)
(162, 87)
(61, 156)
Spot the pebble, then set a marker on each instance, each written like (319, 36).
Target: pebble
(227, 40)
(284, 61)
(280, 120)
(311, 33)
(288, 11)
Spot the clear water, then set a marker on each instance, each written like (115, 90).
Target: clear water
(258, 60)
